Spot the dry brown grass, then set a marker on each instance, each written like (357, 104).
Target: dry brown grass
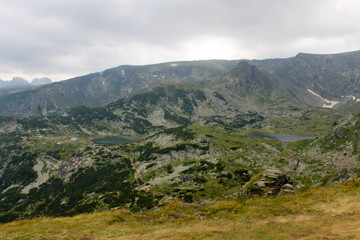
(326, 213)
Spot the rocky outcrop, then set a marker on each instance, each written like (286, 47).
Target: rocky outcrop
(287, 189)
(269, 183)
(71, 166)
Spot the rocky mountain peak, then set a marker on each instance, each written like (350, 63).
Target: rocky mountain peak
(41, 81)
(243, 70)
(245, 80)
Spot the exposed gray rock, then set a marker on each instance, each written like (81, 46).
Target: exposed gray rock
(187, 177)
(260, 184)
(269, 183)
(69, 167)
(287, 189)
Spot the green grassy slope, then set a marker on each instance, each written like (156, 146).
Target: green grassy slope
(324, 213)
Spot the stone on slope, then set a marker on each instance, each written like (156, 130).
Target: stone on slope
(269, 183)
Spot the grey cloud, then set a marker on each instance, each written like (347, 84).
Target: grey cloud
(75, 37)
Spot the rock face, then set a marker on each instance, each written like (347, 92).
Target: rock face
(269, 183)
(287, 189)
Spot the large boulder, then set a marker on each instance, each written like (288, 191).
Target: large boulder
(268, 183)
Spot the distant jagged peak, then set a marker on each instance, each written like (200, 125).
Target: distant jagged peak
(15, 82)
(22, 82)
(242, 68)
(19, 80)
(246, 73)
(243, 63)
(41, 81)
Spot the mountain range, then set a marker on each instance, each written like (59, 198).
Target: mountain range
(329, 80)
(143, 136)
(21, 82)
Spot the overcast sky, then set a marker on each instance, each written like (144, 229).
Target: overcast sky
(65, 38)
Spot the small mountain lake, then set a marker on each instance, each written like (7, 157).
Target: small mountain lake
(111, 140)
(279, 137)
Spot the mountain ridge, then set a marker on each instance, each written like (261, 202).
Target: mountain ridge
(334, 77)
(98, 89)
(16, 82)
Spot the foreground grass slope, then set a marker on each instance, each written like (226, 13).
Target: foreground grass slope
(323, 213)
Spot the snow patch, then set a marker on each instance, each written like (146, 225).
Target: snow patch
(314, 93)
(173, 64)
(328, 103)
(123, 72)
(353, 97)
(349, 96)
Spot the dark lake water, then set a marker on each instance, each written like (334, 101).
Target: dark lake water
(111, 140)
(280, 137)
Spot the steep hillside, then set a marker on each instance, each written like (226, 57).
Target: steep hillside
(8, 91)
(257, 89)
(341, 145)
(98, 89)
(329, 77)
(171, 105)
